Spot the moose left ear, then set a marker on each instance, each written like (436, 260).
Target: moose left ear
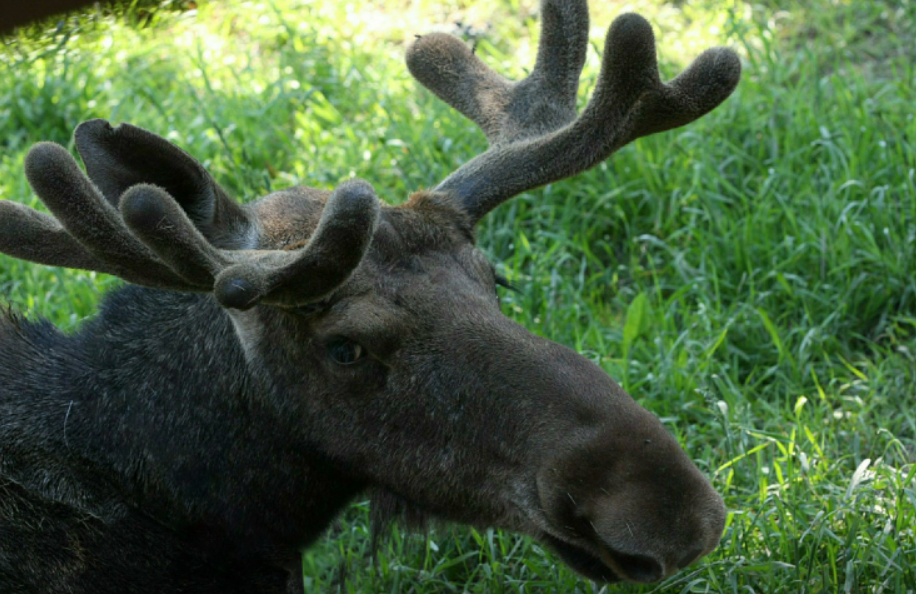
(117, 158)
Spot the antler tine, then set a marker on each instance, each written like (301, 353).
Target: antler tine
(629, 101)
(84, 218)
(507, 110)
(242, 279)
(156, 219)
(564, 42)
(34, 236)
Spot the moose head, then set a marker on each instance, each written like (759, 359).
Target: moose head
(372, 335)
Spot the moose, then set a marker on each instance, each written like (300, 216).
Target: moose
(269, 362)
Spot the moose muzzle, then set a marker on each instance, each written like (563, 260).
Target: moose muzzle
(620, 498)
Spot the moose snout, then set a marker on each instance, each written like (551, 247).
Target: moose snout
(646, 544)
(636, 504)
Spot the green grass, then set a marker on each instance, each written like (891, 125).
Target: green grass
(749, 278)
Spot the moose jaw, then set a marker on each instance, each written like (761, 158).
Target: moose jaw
(279, 358)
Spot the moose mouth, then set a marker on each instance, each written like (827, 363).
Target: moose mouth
(581, 561)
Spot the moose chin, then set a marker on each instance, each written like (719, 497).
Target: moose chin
(267, 363)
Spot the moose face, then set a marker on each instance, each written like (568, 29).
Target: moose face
(375, 332)
(410, 377)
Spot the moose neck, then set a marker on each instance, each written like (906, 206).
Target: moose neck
(155, 393)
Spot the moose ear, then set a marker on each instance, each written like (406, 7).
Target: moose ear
(117, 158)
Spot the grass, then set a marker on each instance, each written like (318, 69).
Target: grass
(749, 278)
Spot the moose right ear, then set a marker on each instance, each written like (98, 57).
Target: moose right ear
(117, 158)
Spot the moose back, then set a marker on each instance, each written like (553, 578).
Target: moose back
(269, 362)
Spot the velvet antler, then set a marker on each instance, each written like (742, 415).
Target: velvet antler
(535, 136)
(154, 217)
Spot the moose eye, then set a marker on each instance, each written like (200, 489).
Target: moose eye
(345, 352)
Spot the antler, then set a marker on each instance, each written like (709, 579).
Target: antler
(535, 137)
(167, 235)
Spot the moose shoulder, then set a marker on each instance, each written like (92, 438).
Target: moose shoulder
(276, 359)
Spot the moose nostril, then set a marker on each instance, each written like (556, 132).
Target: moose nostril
(691, 556)
(637, 568)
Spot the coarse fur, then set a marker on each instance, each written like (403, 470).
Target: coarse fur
(123, 454)
(280, 358)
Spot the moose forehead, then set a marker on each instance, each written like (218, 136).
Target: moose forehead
(426, 236)
(427, 224)
(423, 253)
(427, 221)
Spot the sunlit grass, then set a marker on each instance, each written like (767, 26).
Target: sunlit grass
(749, 278)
